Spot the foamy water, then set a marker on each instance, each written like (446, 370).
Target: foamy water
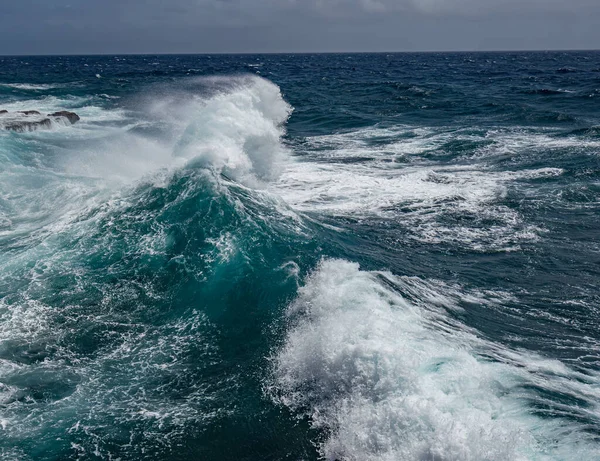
(334, 257)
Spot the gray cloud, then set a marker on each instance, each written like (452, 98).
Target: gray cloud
(158, 26)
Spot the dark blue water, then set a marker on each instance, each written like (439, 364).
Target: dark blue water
(301, 257)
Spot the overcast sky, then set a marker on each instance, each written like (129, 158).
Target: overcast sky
(217, 26)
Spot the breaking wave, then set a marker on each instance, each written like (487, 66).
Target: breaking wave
(384, 368)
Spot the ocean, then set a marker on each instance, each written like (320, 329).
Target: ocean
(366, 257)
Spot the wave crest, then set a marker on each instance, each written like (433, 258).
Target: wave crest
(233, 126)
(376, 362)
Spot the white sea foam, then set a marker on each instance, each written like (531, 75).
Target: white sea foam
(395, 173)
(340, 185)
(417, 196)
(377, 363)
(104, 390)
(514, 142)
(30, 87)
(46, 104)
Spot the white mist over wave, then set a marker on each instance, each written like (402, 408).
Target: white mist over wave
(237, 131)
(392, 376)
(231, 125)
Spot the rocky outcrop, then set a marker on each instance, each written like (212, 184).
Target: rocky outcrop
(70, 116)
(22, 126)
(32, 120)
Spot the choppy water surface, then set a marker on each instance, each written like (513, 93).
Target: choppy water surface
(269, 257)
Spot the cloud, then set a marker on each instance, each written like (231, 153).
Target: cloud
(472, 8)
(112, 26)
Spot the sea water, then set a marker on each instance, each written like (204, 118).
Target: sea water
(300, 257)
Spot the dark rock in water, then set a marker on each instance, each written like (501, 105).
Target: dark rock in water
(22, 126)
(31, 120)
(71, 116)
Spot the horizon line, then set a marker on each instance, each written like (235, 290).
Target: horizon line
(248, 53)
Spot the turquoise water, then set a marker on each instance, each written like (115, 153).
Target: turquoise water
(268, 257)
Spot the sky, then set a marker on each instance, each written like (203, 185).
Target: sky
(271, 26)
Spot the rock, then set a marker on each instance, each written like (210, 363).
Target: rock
(24, 125)
(31, 120)
(70, 116)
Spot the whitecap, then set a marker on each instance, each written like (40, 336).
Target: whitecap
(376, 362)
